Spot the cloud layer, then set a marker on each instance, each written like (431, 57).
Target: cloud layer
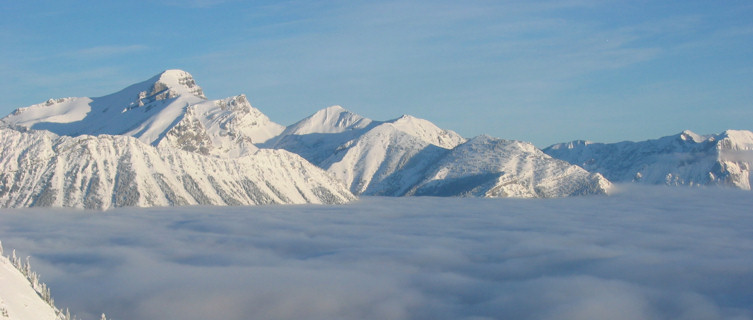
(645, 253)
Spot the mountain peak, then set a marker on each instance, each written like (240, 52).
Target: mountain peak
(335, 108)
(176, 82)
(690, 135)
(332, 119)
(167, 84)
(427, 131)
(331, 113)
(739, 140)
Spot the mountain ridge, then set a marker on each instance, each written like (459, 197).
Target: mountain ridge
(403, 156)
(393, 157)
(685, 158)
(101, 172)
(151, 110)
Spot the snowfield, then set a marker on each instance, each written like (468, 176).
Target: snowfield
(18, 300)
(644, 252)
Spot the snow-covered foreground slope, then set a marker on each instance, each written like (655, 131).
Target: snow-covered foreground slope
(170, 108)
(18, 298)
(645, 252)
(42, 169)
(684, 159)
(411, 156)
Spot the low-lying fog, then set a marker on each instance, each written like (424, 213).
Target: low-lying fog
(643, 253)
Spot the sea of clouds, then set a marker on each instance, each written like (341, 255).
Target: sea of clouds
(642, 253)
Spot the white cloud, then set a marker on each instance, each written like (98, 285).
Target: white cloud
(644, 253)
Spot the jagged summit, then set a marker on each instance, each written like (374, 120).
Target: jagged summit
(572, 144)
(179, 82)
(165, 85)
(690, 135)
(228, 128)
(736, 140)
(169, 84)
(167, 106)
(145, 110)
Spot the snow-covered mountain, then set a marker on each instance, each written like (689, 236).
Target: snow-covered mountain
(161, 142)
(683, 159)
(496, 168)
(170, 108)
(318, 136)
(38, 168)
(411, 156)
(155, 143)
(362, 152)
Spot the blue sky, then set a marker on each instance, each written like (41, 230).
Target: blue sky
(539, 71)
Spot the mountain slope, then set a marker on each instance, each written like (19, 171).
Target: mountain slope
(391, 156)
(334, 119)
(145, 110)
(382, 161)
(18, 299)
(319, 135)
(169, 106)
(497, 168)
(365, 154)
(42, 169)
(683, 159)
(227, 128)
(411, 156)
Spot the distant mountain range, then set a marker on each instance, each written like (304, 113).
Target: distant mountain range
(161, 142)
(687, 158)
